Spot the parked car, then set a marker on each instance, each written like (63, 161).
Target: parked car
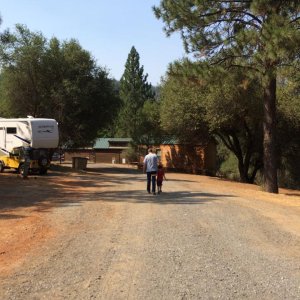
(58, 157)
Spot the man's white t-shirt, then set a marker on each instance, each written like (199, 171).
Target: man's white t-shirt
(151, 162)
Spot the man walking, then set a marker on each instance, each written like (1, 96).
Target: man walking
(150, 167)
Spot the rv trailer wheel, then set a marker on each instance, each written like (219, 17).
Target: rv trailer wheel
(43, 161)
(1, 166)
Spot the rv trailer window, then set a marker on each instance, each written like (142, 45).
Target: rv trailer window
(11, 130)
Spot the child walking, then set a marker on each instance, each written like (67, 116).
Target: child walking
(160, 177)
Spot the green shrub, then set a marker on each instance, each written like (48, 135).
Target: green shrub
(131, 154)
(227, 166)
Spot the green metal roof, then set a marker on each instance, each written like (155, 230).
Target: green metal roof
(103, 143)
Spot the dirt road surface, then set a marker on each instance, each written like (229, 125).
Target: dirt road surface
(97, 234)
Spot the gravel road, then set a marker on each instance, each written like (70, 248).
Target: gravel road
(202, 238)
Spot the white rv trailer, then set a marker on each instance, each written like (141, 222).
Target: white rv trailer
(39, 135)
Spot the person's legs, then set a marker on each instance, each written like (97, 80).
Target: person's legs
(153, 181)
(148, 181)
(158, 186)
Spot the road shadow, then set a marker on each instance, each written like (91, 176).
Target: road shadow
(4, 216)
(292, 194)
(42, 193)
(176, 197)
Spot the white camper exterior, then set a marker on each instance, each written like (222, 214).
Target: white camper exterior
(37, 134)
(28, 132)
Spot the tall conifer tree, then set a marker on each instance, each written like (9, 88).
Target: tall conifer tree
(134, 92)
(257, 35)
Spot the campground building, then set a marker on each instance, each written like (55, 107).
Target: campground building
(196, 159)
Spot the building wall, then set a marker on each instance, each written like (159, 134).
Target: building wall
(188, 158)
(97, 155)
(109, 156)
(87, 153)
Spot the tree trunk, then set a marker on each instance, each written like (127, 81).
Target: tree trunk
(269, 131)
(243, 170)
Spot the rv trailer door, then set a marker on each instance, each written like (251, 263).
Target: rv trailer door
(2, 140)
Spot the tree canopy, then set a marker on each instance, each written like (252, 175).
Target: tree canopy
(58, 80)
(216, 103)
(257, 35)
(289, 126)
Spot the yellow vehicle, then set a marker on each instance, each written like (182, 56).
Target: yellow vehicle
(27, 144)
(39, 161)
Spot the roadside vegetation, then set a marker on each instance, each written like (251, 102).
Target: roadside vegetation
(240, 87)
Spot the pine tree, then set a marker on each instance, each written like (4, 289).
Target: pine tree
(257, 35)
(134, 92)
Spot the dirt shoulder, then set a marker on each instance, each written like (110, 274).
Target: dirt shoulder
(24, 206)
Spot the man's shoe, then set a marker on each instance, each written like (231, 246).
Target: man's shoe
(154, 193)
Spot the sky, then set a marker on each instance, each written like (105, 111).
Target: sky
(106, 28)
